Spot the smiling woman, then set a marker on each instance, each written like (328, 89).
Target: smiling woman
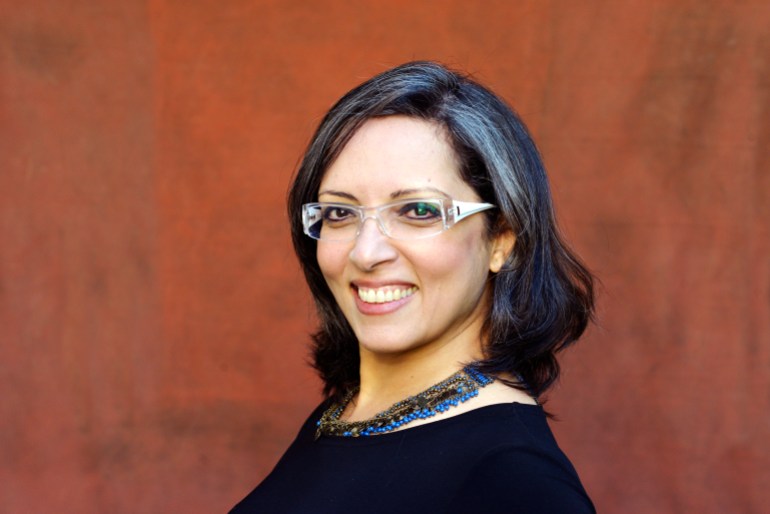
(422, 217)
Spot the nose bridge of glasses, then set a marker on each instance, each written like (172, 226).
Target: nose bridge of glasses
(376, 215)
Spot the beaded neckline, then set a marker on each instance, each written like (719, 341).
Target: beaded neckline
(457, 389)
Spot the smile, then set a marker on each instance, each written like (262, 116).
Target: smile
(384, 294)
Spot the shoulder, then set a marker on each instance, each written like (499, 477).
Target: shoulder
(526, 473)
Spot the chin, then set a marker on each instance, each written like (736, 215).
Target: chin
(384, 345)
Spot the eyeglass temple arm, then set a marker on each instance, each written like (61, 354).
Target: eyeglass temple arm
(464, 209)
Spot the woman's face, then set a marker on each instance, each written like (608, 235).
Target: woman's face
(433, 289)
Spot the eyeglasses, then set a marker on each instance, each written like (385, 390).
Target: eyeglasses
(404, 219)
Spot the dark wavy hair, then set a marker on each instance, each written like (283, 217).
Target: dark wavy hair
(542, 299)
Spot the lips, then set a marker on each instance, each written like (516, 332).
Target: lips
(384, 294)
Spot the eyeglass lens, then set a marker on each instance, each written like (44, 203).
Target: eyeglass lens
(408, 219)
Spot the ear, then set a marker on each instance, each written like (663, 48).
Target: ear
(502, 246)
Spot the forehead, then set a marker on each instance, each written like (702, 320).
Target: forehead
(395, 153)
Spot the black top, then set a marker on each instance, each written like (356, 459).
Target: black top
(498, 458)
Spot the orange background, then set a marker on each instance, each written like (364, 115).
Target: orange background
(153, 321)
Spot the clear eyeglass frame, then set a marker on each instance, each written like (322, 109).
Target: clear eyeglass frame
(340, 222)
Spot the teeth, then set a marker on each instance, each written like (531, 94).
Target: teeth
(385, 294)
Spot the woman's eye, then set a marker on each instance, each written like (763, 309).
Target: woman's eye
(421, 211)
(337, 214)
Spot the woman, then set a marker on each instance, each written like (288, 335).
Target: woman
(422, 217)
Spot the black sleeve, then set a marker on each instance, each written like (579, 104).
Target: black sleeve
(522, 480)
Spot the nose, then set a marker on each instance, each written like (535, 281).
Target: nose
(372, 247)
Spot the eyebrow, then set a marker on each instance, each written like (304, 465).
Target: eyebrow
(407, 192)
(341, 194)
(395, 194)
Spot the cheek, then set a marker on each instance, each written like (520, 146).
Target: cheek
(331, 260)
(459, 263)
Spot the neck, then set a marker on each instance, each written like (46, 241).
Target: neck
(389, 378)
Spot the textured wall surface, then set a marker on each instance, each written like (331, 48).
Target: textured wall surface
(153, 321)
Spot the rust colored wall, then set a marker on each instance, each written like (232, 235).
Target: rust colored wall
(153, 322)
